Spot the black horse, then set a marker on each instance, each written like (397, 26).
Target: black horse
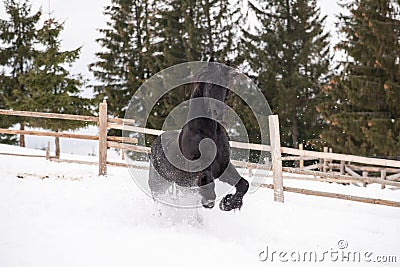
(188, 158)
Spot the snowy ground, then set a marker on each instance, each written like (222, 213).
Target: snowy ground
(71, 217)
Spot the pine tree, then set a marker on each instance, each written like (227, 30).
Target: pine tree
(362, 102)
(172, 45)
(17, 51)
(193, 30)
(120, 68)
(289, 54)
(50, 85)
(189, 30)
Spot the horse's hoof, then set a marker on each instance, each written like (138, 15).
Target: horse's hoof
(208, 204)
(231, 202)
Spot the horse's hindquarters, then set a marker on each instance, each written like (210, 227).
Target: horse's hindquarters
(169, 184)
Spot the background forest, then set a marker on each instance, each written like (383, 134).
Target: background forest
(351, 104)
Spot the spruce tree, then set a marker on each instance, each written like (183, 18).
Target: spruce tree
(289, 55)
(172, 45)
(50, 85)
(362, 102)
(189, 30)
(17, 51)
(193, 30)
(120, 68)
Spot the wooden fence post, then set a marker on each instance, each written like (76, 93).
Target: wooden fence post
(276, 157)
(251, 174)
(122, 154)
(383, 177)
(365, 175)
(103, 138)
(342, 167)
(48, 151)
(301, 157)
(325, 166)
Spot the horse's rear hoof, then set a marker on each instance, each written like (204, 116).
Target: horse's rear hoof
(231, 202)
(208, 204)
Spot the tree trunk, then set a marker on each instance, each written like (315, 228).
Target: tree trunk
(21, 136)
(57, 141)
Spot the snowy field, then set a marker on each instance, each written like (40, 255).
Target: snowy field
(62, 214)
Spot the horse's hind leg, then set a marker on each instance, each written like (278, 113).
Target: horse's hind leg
(207, 190)
(232, 177)
(158, 185)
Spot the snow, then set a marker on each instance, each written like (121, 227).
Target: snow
(74, 218)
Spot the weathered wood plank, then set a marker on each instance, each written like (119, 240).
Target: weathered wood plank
(335, 195)
(383, 177)
(68, 135)
(365, 175)
(325, 164)
(365, 168)
(50, 134)
(251, 165)
(251, 146)
(346, 180)
(129, 147)
(73, 161)
(276, 157)
(110, 163)
(134, 129)
(121, 121)
(312, 167)
(301, 162)
(334, 175)
(135, 166)
(103, 138)
(335, 156)
(48, 115)
(123, 139)
(351, 172)
(297, 158)
(22, 155)
(48, 151)
(393, 177)
(342, 167)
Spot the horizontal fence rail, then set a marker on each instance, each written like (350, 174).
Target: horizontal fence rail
(335, 195)
(51, 134)
(48, 115)
(341, 157)
(69, 135)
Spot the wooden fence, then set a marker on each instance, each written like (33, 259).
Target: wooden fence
(323, 166)
(103, 123)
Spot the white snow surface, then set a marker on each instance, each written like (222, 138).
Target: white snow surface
(63, 214)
